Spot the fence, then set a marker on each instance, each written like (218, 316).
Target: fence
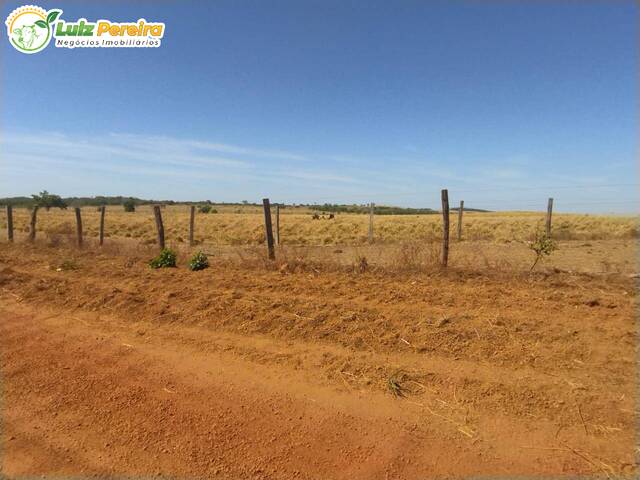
(273, 237)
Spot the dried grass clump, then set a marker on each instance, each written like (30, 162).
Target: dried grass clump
(415, 256)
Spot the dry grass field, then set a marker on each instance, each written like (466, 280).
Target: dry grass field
(244, 225)
(319, 364)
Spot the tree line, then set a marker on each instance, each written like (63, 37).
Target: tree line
(380, 209)
(48, 200)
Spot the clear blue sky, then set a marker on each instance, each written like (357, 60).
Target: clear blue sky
(505, 103)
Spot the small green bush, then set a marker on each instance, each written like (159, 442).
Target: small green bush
(198, 262)
(204, 209)
(167, 258)
(542, 246)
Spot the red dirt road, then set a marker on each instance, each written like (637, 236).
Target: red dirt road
(89, 389)
(83, 401)
(79, 401)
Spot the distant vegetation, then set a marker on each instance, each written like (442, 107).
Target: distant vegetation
(47, 201)
(117, 200)
(206, 209)
(100, 200)
(129, 205)
(380, 209)
(205, 206)
(377, 210)
(83, 201)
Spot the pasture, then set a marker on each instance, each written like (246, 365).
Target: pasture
(244, 225)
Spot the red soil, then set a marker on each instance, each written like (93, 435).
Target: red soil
(238, 372)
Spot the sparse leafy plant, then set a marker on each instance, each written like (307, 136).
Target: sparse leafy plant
(542, 245)
(394, 383)
(198, 262)
(47, 201)
(204, 208)
(166, 259)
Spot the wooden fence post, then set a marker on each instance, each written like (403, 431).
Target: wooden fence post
(548, 222)
(277, 225)
(371, 208)
(268, 228)
(79, 226)
(159, 226)
(101, 234)
(32, 224)
(445, 227)
(460, 210)
(192, 219)
(10, 223)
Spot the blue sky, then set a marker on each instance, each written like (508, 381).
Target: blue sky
(503, 103)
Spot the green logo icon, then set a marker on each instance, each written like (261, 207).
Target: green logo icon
(30, 28)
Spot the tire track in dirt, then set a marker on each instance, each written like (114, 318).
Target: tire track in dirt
(82, 404)
(248, 303)
(83, 400)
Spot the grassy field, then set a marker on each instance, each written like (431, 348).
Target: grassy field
(235, 225)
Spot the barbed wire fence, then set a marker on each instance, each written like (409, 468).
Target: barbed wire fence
(273, 235)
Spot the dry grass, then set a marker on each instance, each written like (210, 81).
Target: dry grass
(244, 226)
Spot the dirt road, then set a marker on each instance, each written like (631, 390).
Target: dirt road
(82, 401)
(91, 390)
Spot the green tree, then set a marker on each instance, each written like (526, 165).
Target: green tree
(129, 205)
(47, 200)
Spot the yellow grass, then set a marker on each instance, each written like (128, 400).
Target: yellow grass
(245, 226)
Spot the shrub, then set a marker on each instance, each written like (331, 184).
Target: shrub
(204, 209)
(542, 245)
(129, 206)
(167, 258)
(47, 200)
(198, 262)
